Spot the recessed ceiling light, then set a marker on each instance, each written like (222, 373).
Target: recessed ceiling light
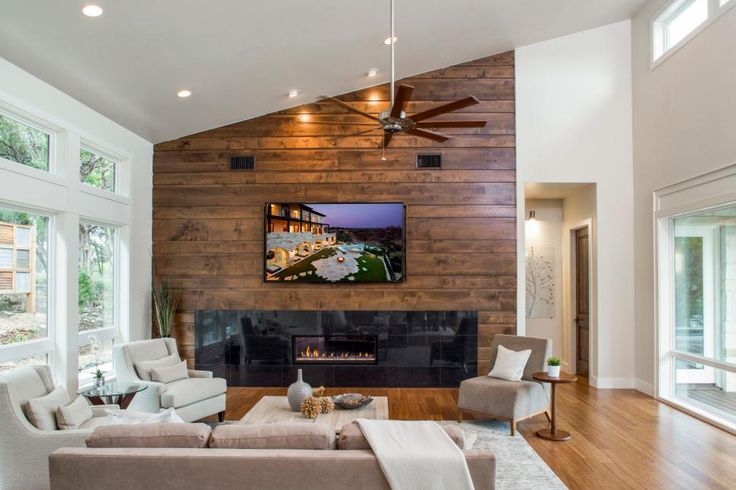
(184, 93)
(92, 10)
(373, 72)
(387, 41)
(293, 93)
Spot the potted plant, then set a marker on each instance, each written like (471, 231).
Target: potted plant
(165, 301)
(553, 367)
(99, 378)
(96, 347)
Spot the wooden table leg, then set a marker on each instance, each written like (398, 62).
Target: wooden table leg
(553, 433)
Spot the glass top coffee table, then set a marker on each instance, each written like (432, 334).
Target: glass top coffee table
(113, 393)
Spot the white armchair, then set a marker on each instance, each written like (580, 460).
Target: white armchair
(193, 398)
(24, 449)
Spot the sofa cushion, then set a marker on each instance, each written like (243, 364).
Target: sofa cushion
(72, 416)
(170, 373)
(510, 364)
(191, 390)
(41, 412)
(502, 398)
(150, 435)
(95, 422)
(143, 368)
(273, 436)
(351, 437)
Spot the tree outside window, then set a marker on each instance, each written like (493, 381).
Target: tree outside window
(96, 276)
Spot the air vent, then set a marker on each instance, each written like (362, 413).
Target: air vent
(245, 162)
(429, 160)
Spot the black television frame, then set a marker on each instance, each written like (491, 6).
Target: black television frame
(327, 283)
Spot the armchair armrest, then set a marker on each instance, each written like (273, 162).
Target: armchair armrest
(196, 373)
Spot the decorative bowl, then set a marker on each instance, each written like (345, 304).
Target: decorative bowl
(350, 401)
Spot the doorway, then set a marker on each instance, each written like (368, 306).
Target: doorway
(582, 300)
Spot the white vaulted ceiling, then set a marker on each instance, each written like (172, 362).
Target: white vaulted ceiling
(241, 57)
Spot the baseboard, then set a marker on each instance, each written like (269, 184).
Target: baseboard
(612, 383)
(644, 387)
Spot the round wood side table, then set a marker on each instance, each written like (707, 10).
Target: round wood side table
(553, 433)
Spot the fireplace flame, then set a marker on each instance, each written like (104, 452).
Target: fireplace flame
(314, 353)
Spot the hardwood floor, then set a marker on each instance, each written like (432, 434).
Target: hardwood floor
(621, 438)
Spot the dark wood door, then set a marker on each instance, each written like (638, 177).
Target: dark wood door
(582, 288)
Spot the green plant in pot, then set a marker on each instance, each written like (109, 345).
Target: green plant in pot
(165, 301)
(553, 367)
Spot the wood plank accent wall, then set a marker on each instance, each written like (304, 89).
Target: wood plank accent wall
(461, 225)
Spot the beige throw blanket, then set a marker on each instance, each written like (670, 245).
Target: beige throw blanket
(417, 455)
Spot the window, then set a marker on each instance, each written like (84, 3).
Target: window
(97, 250)
(36, 360)
(679, 20)
(699, 334)
(24, 255)
(95, 355)
(24, 144)
(96, 170)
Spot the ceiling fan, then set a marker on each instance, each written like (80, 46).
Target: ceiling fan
(395, 120)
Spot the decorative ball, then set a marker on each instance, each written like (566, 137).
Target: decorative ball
(310, 407)
(326, 404)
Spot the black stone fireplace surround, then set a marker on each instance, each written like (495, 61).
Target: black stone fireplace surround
(359, 348)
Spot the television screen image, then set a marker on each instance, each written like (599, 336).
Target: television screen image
(334, 243)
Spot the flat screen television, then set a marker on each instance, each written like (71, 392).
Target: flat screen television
(334, 243)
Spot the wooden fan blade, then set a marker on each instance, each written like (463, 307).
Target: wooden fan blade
(431, 135)
(361, 132)
(387, 139)
(403, 96)
(452, 106)
(452, 124)
(337, 123)
(348, 107)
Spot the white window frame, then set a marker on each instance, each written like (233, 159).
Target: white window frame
(116, 159)
(30, 348)
(666, 13)
(113, 331)
(35, 123)
(60, 195)
(710, 191)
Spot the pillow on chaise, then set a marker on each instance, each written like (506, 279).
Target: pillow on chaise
(169, 374)
(150, 435)
(273, 436)
(143, 368)
(41, 412)
(74, 414)
(351, 437)
(510, 364)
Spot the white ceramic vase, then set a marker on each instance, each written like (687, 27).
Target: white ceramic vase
(553, 371)
(298, 391)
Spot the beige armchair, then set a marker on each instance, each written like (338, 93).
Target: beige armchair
(193, 398)
(509, 400)
(24, 449)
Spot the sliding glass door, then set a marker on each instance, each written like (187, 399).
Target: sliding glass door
(697, 308)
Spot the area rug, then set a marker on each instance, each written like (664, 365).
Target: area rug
(518, 466)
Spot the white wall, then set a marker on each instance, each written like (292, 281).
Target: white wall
(684, 125)
(546, 232)
(573, 98)
(61, 194)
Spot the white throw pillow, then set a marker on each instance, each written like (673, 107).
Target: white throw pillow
(510, 364)
(74, 414)
(41, 412)
(129, 417)
(143, 368)
(170, 373)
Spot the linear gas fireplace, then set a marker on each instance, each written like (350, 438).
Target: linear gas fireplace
(338, 348)
(334, 349)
